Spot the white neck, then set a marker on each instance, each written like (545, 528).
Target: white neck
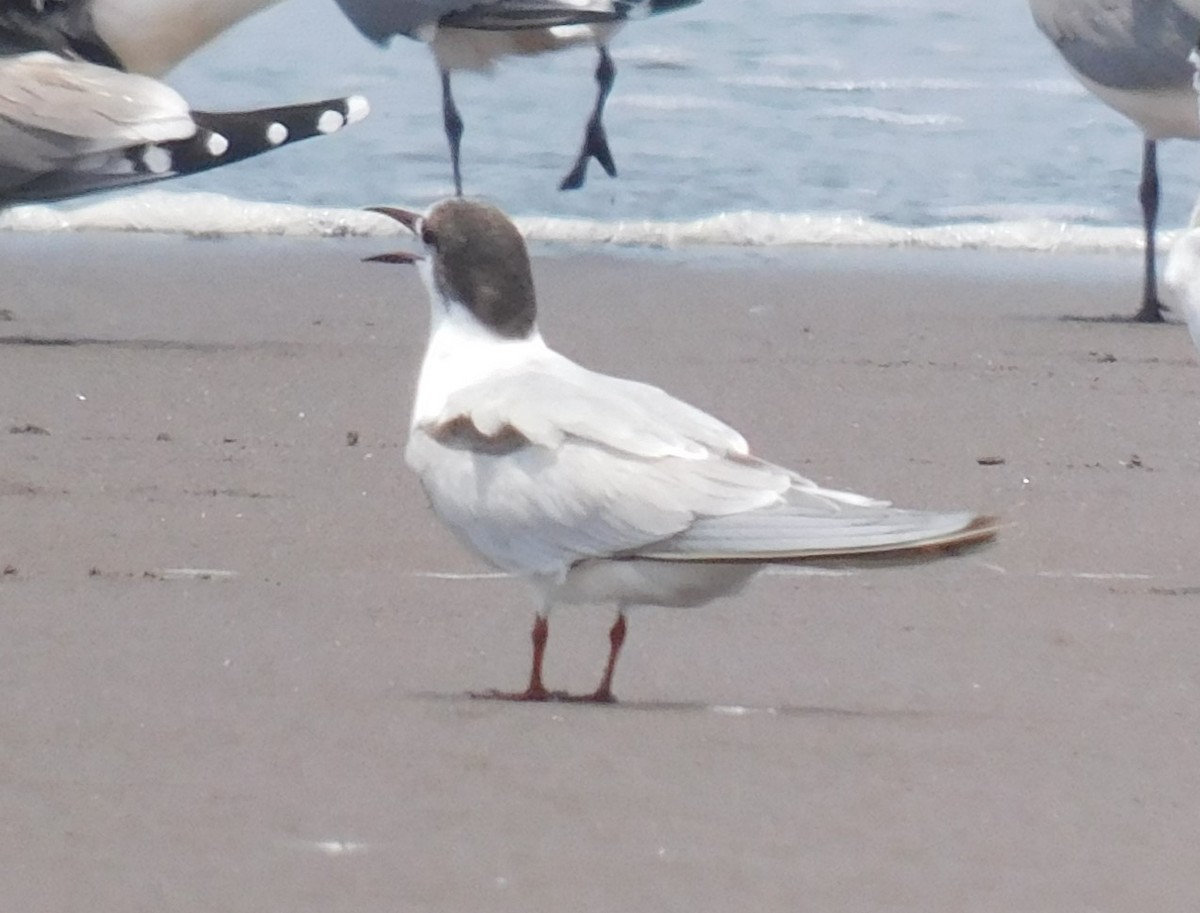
(462, 352)
(151, 36)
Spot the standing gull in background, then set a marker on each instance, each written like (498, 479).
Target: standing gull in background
(1133, 55)
(1182, 275)
(1181, 279)
(74, 121)
(475, 34)
(597, 489)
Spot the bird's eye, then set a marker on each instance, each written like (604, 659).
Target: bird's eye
(429, 238)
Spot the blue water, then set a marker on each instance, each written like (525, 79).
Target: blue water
(855, 114)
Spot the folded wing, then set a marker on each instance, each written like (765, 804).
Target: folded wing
(541, 469)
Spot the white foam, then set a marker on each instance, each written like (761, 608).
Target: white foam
(765, 229)
(166, 212)
(671, 102)
(655, 57)
(215, 214)
(853, 85)
(1026, 212)
(894, 118)
(1058, 87)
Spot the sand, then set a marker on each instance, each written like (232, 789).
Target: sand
(235, 646)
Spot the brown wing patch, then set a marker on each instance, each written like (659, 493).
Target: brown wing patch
(460, 433)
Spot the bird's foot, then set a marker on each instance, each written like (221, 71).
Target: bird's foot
(599, 696)
(531, 693)
(1151, 312)
(595, 146)
(541, 695)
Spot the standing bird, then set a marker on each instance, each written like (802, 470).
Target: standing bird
(1133, 55)
(475, 34)
(74, 121)
(597, 489)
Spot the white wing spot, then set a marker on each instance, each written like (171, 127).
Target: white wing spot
(216, 145)
(357, 108)
(330, 122)
(276, 133)
(156, 159)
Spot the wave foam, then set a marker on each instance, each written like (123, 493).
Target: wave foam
(892, 118)
(215, 215)
(765, 229)
(196, 213)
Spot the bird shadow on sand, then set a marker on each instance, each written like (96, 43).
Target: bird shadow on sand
(465, 699)
(85, 341)
(1120, 318)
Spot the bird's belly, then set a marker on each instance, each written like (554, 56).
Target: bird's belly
(480, 51)
(675, 584)
(484, 502)
(1166, 113)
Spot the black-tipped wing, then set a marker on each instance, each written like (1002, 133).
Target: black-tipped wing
(69, 127)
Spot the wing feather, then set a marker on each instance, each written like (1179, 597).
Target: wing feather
(568, 465)
(380, 20)
(54, 111)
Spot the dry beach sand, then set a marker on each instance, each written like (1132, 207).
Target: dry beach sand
(1013, 730)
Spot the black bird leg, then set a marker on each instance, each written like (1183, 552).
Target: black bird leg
(595, 142)
(454, 130)
(1152, 308)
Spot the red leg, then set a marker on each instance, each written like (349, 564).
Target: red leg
(616, 638)
(536, 690)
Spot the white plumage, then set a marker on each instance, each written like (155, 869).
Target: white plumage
(600, 489)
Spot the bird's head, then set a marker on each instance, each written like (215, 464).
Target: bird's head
(473, 256)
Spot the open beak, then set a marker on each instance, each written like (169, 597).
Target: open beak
(409, 220)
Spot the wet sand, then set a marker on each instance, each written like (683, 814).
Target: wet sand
(1013, 730)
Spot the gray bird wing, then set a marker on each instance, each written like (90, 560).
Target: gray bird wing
(540, 469)
(1123, 44)
(380, 20)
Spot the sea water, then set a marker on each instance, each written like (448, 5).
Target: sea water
(932, 123)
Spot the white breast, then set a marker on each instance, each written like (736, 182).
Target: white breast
(152, 36)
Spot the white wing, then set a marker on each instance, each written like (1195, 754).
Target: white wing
(540, 469)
